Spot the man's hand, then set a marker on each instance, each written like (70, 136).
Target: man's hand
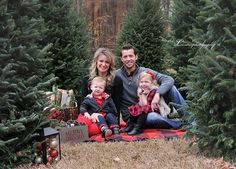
(155, 101)
(94, 117)
(87, 115)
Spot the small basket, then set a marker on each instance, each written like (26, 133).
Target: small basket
(63, 114)
(69, 113)
(64, 103)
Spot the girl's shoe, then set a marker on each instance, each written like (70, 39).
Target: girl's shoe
(136, 130)
(128, 128)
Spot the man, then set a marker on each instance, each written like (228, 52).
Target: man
(129, 73)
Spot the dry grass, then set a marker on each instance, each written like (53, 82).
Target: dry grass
(159, 153)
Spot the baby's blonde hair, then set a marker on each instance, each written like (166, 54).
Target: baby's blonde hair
(98, 79)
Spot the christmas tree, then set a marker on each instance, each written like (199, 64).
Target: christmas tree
(66, 30)
(183, 47)
(143, 28)
(212, 87)
(22, 81)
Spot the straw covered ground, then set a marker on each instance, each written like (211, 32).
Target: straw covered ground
(158, 153)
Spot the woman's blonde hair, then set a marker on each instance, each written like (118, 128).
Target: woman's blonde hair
(111, 59)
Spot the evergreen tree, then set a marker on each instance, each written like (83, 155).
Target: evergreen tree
(212, 87)
(22, 83)
(67, 32)
(143, 28)
(183, 46)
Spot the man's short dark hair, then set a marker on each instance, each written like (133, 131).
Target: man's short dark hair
(127, 47)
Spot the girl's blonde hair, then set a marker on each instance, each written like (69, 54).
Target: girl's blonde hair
(111, 59)
(150, 75)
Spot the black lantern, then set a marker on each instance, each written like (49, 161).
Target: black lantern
(50, 147)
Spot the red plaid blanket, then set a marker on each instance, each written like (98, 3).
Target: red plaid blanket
(147, 134)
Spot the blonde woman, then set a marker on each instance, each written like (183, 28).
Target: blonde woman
(103, 65)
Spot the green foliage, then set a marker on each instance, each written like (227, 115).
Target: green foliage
(184, 47)
(22, 80)
(212, 87)
(66, 30)
(143, 28)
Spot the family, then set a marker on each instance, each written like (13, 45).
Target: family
(139, 94)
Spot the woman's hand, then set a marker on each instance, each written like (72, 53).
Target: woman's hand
(94, 117)
(155, 102)
(87, 115)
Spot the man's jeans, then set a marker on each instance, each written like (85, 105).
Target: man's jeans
(155, 120)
